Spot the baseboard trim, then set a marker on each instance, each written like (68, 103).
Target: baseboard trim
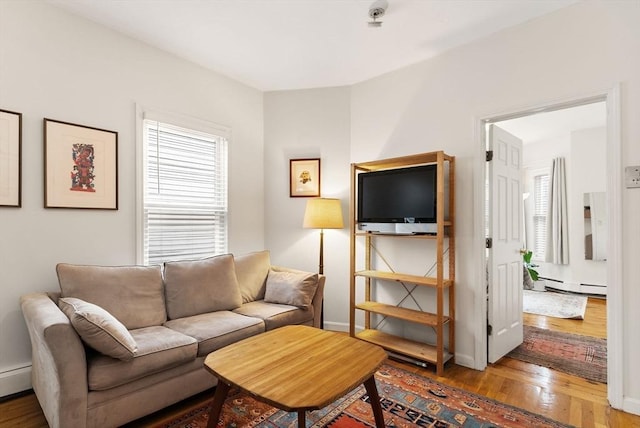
(466, 361)
(631, 405)
(15, 380)
(336, 326)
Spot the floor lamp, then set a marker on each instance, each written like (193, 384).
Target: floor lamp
(323, 213)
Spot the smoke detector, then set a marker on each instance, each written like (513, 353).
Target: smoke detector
(376, 11)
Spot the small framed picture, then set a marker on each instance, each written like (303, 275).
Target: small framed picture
(10, 159)
(80, 166)
(304, 178)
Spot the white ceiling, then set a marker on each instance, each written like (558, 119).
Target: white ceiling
(557, 123)
(294, 44)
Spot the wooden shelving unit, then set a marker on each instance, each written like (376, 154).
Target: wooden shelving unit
(442, 319)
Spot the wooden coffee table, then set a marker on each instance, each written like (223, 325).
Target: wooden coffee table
(296, 368)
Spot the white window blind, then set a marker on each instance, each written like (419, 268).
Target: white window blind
(541, 202)
(185, 193)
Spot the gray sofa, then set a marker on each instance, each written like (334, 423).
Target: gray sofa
(118, 343)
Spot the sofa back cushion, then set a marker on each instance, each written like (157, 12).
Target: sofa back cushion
(200, 286)
(252, 270)
(134, 295)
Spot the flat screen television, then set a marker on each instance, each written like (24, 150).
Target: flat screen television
(399, 200)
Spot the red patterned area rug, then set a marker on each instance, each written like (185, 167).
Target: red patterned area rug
(408, 400)
(578, 355)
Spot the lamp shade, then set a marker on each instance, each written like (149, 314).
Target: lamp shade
(323, 213)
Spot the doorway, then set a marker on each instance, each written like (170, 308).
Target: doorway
(613, 191)
(564, 297)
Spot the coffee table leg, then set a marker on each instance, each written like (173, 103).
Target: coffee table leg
(222, 389)
(372, 390)
(302, 421)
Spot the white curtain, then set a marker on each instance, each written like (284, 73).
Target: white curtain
(557, 249)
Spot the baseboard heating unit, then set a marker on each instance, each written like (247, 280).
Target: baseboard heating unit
(595, 290)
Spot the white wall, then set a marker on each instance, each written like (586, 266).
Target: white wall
(56, 65)
(588, 174)
(309, 124)
(437, 104)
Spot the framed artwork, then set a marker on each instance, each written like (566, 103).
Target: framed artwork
(80, 166)
(10, 159)
(304, 178)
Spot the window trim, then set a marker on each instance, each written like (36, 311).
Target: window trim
(142, 113)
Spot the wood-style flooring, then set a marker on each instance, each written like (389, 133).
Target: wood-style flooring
(559, 396)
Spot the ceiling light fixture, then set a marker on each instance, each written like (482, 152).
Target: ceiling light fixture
(376, 11)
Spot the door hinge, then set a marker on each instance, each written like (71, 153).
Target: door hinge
(488, 243)
(489, 155)
(489, 329)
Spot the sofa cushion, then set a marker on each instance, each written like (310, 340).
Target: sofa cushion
(200, 286)
(99, 329)
(291, 288)
(276, 315)
(159, 348)
(132, 294)
(217, 329)
(252, 270)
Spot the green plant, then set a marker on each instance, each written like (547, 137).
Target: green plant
(526, 258)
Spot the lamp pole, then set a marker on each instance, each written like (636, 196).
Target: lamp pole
(321, 271)
(321, 265)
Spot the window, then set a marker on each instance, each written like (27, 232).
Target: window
(541, 203)
(184, 193)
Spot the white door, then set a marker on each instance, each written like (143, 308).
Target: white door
(505, 230)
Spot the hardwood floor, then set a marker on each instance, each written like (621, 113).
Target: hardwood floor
(594, 323)
(560, 396)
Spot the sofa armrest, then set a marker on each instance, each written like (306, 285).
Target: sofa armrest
(59, 364)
